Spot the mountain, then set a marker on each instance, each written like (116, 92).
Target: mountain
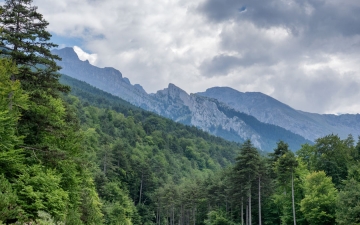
(217, 118)
(107, 79)
(206, 113)
(269, 110)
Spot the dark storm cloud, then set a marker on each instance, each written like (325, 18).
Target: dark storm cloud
(317, 17)
(221, 65)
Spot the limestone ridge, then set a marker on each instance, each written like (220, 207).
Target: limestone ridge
(107, 79)
(172, 102)
(269, 110)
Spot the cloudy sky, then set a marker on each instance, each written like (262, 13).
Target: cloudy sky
(305, 53)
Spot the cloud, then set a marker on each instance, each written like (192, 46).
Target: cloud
(85, 56)
(302, 52)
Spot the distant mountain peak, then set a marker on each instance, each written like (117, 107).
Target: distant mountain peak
(68, 54)
(139, 87)
(173, 86)
(222, 89)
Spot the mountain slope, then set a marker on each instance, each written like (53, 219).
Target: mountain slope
(269, 110)
(174, 103)
(107, 79)
(216, 118)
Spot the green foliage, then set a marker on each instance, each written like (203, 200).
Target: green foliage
(118, 208)
(40, 152)
(348, 199)
(12, 99)
(46, 219)
(318, 205)
(246, 169)
(333, 156)
(217, 218)
(9, 209)
(147, 154)
(348, 204)
(93, 158)
(280, 201)
(39, 190)
(27, 44)
(285, 167)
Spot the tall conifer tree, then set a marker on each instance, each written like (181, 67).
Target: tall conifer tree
(245, 173)
(25, 40)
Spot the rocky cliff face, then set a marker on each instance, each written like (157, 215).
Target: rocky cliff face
(174, 103)
(107, 79)
(269, 110)
(202, 113)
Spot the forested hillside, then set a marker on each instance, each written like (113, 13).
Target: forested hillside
(174, 103)
(81, 156)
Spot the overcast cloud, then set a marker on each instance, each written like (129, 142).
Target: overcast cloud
(305, 53)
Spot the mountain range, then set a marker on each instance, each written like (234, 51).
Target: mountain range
(221, 111)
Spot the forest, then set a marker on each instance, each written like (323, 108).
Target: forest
(73, 154)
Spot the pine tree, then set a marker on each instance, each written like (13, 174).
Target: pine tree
(285, 168)
(245, 173)
(24, 40)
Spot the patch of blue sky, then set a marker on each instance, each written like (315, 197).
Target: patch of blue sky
(63, 41)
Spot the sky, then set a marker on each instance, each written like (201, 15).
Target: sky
(305, 53)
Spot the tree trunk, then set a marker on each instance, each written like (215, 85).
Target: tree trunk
(250, 222)
(247, 214)
(260, 201)
(141, 186)
(182, 215)
(293, 198)
(173, 215)
(242, 211)
(160, 215)
(157, 215)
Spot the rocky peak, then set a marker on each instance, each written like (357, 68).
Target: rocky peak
(67, 54)
(112, 71)
(172, 92)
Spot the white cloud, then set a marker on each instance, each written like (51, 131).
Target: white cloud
(290, 54)
(85, 56)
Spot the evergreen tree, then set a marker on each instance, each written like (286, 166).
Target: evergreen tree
(348, 199)
(24, 40)
(9, 209)
(245, 173)
(285, 168)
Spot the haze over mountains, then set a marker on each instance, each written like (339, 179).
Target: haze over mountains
(221, 111)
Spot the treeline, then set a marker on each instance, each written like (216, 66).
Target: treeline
(140, 155)
(320, 184)
(66, 161)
